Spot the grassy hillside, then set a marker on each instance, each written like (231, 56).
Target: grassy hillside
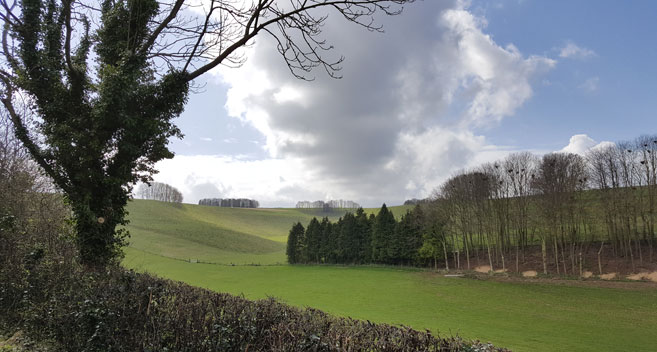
(218, 235)
(523, 316)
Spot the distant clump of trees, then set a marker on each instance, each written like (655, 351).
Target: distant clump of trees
(230, 202)
(159, 191)
(331, 204)
(560, 206)
(415, 201)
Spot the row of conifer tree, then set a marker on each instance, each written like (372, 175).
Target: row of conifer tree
(561, 205)
(359, 238)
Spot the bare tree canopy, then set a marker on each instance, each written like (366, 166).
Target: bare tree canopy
(92, 87)
(159, 191)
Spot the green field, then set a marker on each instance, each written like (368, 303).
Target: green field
(524, 316)
(218, 235)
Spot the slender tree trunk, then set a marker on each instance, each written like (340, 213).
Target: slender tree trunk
(572, 256)
(556, 255)
(544, 256)
(446, 258)
(467, 252)
(563, 259)
(629, 245)
(517, 258)
(599, 259)
(458, 259)
(490, 259)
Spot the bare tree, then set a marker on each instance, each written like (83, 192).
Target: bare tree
(106, 80)
(559, 178)
(160, 191)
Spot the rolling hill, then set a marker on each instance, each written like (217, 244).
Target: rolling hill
(218, 235)
(524, 315)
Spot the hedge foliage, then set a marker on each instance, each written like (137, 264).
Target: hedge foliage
(119, 310)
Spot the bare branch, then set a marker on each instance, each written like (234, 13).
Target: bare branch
(156, 33)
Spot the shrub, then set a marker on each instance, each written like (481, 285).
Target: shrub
(119, 310)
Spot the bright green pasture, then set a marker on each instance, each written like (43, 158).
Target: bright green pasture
(218, 235)
(523, 316)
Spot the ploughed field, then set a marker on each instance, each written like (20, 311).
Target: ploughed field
(524, 315)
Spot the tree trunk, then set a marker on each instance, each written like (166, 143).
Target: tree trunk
(599, 259)
(467, 252)
(629, 244)
(544, 256)
(490, 259)
(556, 255)
(98, 240)
(517, 259)
(446, 258)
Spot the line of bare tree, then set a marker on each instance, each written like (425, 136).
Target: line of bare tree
(230, 202)
(331, 204)
(159, 191)
(564, 203)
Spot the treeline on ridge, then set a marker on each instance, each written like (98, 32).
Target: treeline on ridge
(159, 191)
(230, 202)
(560, 207)
(331, 204)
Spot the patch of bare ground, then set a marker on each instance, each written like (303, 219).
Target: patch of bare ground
(529, 273)
(587, 274)
(626, 285)
(484, 269)
(608, 276)
(644, 276)
(587, 266)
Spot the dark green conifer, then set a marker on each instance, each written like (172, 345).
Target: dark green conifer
(293, 243)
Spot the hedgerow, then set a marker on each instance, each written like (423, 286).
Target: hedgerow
(120, 310)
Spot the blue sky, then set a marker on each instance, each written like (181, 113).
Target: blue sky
(449, 85)
(621, 36)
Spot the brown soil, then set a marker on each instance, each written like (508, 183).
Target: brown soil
(482, 269)
(653, 276)
(529, 273)
(512, 278)
(644, 276)
(531, 260)
(608, 276)
(587, 274)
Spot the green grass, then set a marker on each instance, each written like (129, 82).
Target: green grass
(522, 316)
(218, 235)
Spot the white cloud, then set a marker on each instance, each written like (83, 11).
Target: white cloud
(590, 85)
(582, 143)
(208, 176)
(572, 51)
(206, 139)
(399, 122)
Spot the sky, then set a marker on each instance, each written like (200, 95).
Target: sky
(448, 85)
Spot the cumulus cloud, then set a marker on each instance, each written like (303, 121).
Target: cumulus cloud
(590, 85)
(572, 51)
(581, 143)
(209, 176)
(397, 124)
